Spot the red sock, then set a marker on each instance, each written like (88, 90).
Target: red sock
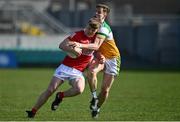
(61, 95)
(34, 110)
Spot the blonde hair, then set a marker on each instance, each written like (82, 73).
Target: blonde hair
(93, 23)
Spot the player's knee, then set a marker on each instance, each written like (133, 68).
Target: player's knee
(79, 90)
(92, 74)
(92, 71)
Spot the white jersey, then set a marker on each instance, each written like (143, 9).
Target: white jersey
(108, 47)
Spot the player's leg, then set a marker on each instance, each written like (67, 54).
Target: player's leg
(78, 85)
(55, 82)
(91, 76)
(103, 95)
(112, 69)
(77, 88)
(105, 88)
(93, 69)
(76, 80)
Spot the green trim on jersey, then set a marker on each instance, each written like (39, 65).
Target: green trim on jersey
(104, 24)
(105, 30)
(100, 33)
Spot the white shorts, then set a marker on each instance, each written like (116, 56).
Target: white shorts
(112, 66)
(64, 72)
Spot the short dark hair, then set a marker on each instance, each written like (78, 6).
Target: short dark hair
(102, 5)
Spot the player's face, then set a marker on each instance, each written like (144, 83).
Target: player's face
(101, 13)
(90, 31)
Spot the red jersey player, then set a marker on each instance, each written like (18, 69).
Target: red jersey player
(81, 61)
(70, 69)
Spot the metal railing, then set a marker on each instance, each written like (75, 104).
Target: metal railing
(18, 14)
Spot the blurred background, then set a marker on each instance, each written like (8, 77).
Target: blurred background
(147, 32)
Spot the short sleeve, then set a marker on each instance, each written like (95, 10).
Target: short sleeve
(73, 37)
(103, 31)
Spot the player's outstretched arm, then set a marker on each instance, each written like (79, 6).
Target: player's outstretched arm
(92, 46)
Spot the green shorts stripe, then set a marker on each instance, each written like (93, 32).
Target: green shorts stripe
(112, 66)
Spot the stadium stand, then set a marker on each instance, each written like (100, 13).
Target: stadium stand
(145, 37)
(30, 35)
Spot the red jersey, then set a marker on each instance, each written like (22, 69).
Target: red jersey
(81, 62)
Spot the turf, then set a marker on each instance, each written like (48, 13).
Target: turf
(134, 96)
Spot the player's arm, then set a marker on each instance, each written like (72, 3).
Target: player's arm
(93, 46)
(66, 45)
(97, 43)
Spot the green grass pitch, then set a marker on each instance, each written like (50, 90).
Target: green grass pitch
(134, 96)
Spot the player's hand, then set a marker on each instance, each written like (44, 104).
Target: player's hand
(71, 44)
(100, 57)
(78, 51)
(76, 44)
